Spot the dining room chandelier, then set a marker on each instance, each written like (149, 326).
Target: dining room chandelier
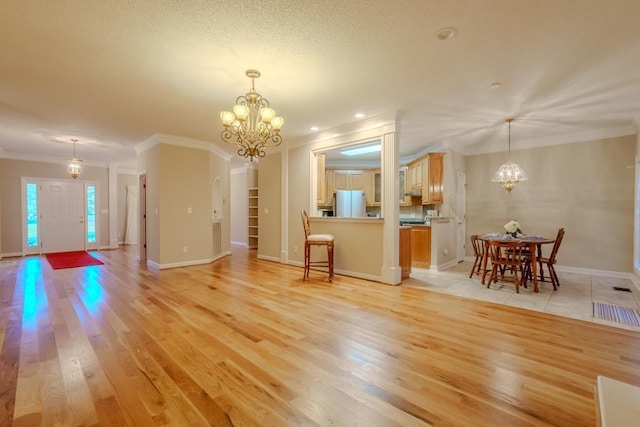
(74, 168)
(252, 125)
(509, 175)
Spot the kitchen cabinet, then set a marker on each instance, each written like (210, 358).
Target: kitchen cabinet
(405, 200)
(341, 180)
(421, 246)
(405, 252)
(433, 176)
(338, 179)
(436, 177)
(415, 175)
(358, 180)
(329, 187)
(377, 187)
(321, 180)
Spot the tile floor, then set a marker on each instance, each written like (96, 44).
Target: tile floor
(572, 299)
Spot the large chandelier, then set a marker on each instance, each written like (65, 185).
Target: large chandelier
(509, 174)
(74, 168)
(252, 125)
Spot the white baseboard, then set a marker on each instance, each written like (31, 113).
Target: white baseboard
(244, 244)
(444, 266)
(359, 275)
(221, 255)
(340, 272)
(268, 258)
(187, 263)
(606, 273)
(13, 254)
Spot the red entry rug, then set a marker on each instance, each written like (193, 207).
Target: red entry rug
(71, 259)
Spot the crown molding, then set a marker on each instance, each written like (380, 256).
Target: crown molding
(366, 129)
(48, 159)
(568, 138)
(162, 138)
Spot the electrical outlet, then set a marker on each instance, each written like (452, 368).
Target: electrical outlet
(295, 249)
(445, 251)
(185, 249)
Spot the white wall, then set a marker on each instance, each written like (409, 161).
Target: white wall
(585, 187)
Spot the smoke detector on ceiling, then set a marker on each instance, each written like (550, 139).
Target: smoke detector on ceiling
(446, 33)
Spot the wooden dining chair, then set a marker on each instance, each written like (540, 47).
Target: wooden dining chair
(506, 262)
(549, 262)
(478, 251)
(316, 240)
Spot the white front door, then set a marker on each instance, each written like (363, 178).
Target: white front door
(63, 216)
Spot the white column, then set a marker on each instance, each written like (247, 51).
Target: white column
(113, 205)
(284, 191)
(391, 272)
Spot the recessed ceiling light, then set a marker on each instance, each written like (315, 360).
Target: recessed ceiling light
(496, 85)
(359, 115)
(446, 33)
(314, 128)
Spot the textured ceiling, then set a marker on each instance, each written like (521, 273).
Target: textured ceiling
(113, 73)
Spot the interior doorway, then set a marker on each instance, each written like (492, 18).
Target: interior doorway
(142, 217)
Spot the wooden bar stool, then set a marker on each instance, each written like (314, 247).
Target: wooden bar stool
(316, 240)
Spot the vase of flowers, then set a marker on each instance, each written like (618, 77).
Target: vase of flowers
(513, 228)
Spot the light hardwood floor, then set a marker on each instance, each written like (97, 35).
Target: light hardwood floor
(244, 342)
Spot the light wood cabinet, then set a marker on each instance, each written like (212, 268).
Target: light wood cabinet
(371, 189)
(432, 179)
(377, 187)
(321, 180)
(435, 178)
(358, 181)
(404, 199)
(421, 247)
(329, 182)
(415, 175)
(425, 179)
(405, 252)
(341, 180)
(349, 180)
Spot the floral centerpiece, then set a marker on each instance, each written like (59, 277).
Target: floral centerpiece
(513, 228)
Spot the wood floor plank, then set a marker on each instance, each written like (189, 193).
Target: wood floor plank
(246, 342)
(12, 309)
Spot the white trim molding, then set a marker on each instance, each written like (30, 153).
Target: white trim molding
(162, 138)
(187, 263)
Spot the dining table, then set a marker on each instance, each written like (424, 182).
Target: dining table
(533, 241)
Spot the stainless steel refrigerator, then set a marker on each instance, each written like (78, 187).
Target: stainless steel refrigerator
(350, 203)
